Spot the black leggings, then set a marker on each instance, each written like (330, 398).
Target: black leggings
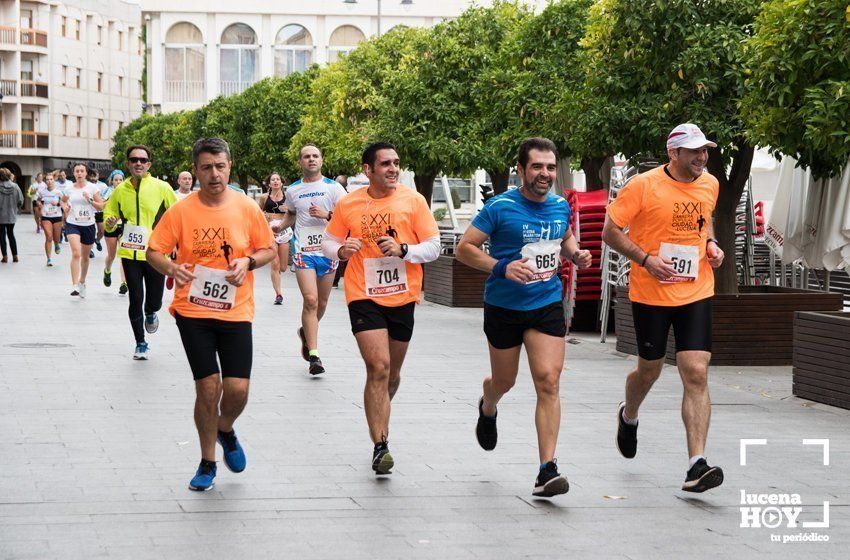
(145, 286)
(8, 229)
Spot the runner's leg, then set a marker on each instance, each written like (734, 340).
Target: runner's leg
(48, 237)
(639, 382)
(546, 359)
(135, 285)
(85, 251)
(696, 403)
(208, 392)
(307, 284)
(374, 348)
(76, 253)
(111, 250)
(398, 350)
(325, 284)
(233, 401)
(274, 270)
(154, 288)
(504, 365)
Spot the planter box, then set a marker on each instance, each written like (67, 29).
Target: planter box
(450, 282)
(754, 327)
(822, 357)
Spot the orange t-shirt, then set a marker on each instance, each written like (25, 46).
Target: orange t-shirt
(405, 216)
(658, 209)
(212, 237)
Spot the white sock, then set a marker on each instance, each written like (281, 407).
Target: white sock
(694, 460)
(627, 420)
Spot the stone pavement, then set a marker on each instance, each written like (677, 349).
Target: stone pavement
(96, 449)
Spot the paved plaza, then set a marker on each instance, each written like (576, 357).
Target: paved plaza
(96, 450)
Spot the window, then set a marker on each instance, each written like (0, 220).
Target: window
(64, 75)
(139, 48)
(77, 74)
(79, 126)
(343, 40)
(239, 59)
(78, 24)
(460, 187)
(184, 64)
(64, 26)
(99, 35)
(64, 125)
(120, 40)
(293, 51)
(100, 82)
(27, 121)
(26, 19)
(100, 129)
(26, 70)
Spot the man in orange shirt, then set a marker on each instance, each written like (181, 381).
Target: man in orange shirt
(220, 237)
(673, 251)
(391, 232)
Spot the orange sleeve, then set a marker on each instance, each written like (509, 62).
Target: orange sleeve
(260, 232)
(626, 206)
(425, 226)
(336, 226)
(165, 236)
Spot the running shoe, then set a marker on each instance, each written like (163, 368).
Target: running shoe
(4, 260)
(151, 323)
(626, 434)
(107, 278)
(76, 290)
(49, 262)
(702, 477)
(57, 248)
(305, 351)
(98, 245)
(82, 289)
(382, 461)
(123, 289)
(14, 258)
(204, 478)
(91, 254)
(234, 455)
(549, 482)
(278, 300)
(486, 431)
(141, 351)
(316, 366)
(169, 283)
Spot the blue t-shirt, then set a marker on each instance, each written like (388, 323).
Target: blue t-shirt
(512, 221)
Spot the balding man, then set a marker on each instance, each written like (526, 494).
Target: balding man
(184, 184)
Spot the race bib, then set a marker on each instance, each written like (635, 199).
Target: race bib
(310, 238)
(210, 290)
(83, 214)
(135, 238)
(685, 259)
(544, 258)
(51, 211)
(385, 276)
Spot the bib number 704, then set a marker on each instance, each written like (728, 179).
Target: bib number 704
(387, 276)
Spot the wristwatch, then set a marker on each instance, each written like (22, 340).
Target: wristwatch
(404, 250)
(712, 240)
(252, 264)
(330, 215)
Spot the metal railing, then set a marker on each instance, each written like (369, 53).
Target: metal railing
(8, 87)
(33, 89)
(8, 138)
(30, 139)
(181, 91)
(34, 37)
(232, 88)
(7, 35)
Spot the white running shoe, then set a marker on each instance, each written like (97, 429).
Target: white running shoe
(82, 289)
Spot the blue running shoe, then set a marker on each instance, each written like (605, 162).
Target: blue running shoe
(141, 352)
(98, 245)
(151, 323)
(234, 456)
(204, 478)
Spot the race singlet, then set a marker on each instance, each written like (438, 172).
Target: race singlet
(310, 238)
(83, 214)
(135, 238)
(51, 211)
(685, 261)
(544, 258)
(385, 276)
(210, 290)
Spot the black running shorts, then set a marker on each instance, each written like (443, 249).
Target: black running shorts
(505, 327)
(691, 327)
(230, 340)
(55, 220)
(366, 315)
(117, 232)
(98, 217)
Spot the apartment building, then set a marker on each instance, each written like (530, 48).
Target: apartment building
(70, 76)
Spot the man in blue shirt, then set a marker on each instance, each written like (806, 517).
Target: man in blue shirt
(529, 232)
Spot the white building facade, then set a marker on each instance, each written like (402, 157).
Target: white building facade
(200, 49)
(70, 77)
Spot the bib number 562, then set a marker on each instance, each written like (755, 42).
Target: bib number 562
(215, 290)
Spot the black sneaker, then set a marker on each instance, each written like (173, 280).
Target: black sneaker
(122, 289)
(382, 461)
(549, 482)
(626, 435)
(316, 366)
(305, 351)
(701, 477)
(485, 430)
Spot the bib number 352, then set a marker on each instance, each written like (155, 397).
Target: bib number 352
(210, 290)
(385, 276)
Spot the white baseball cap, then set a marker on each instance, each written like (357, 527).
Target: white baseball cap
(689, 136)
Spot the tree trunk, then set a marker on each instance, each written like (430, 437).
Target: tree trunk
(592, 168)
(499, 179)
(564, 182)
(425, 184)
(731, 189)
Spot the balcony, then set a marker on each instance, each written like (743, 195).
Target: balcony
(8, 88)
(8, 138)
(30, 139)
(7, 35)
(179, 91)
(33, 89)
(34, 38)
(229, 88)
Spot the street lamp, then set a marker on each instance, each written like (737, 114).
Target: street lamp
(403, 3)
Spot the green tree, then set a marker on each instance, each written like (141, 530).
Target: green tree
(652, 64)
(798, 85)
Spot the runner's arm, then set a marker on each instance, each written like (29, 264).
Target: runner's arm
(614, 236)
(288, 219)
(424, 252)
(470, 253)
(110, 210)
(571, 251)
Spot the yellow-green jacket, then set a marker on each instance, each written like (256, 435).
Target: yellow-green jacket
(142, 207)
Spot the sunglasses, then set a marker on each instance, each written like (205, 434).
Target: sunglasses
(138, 160)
